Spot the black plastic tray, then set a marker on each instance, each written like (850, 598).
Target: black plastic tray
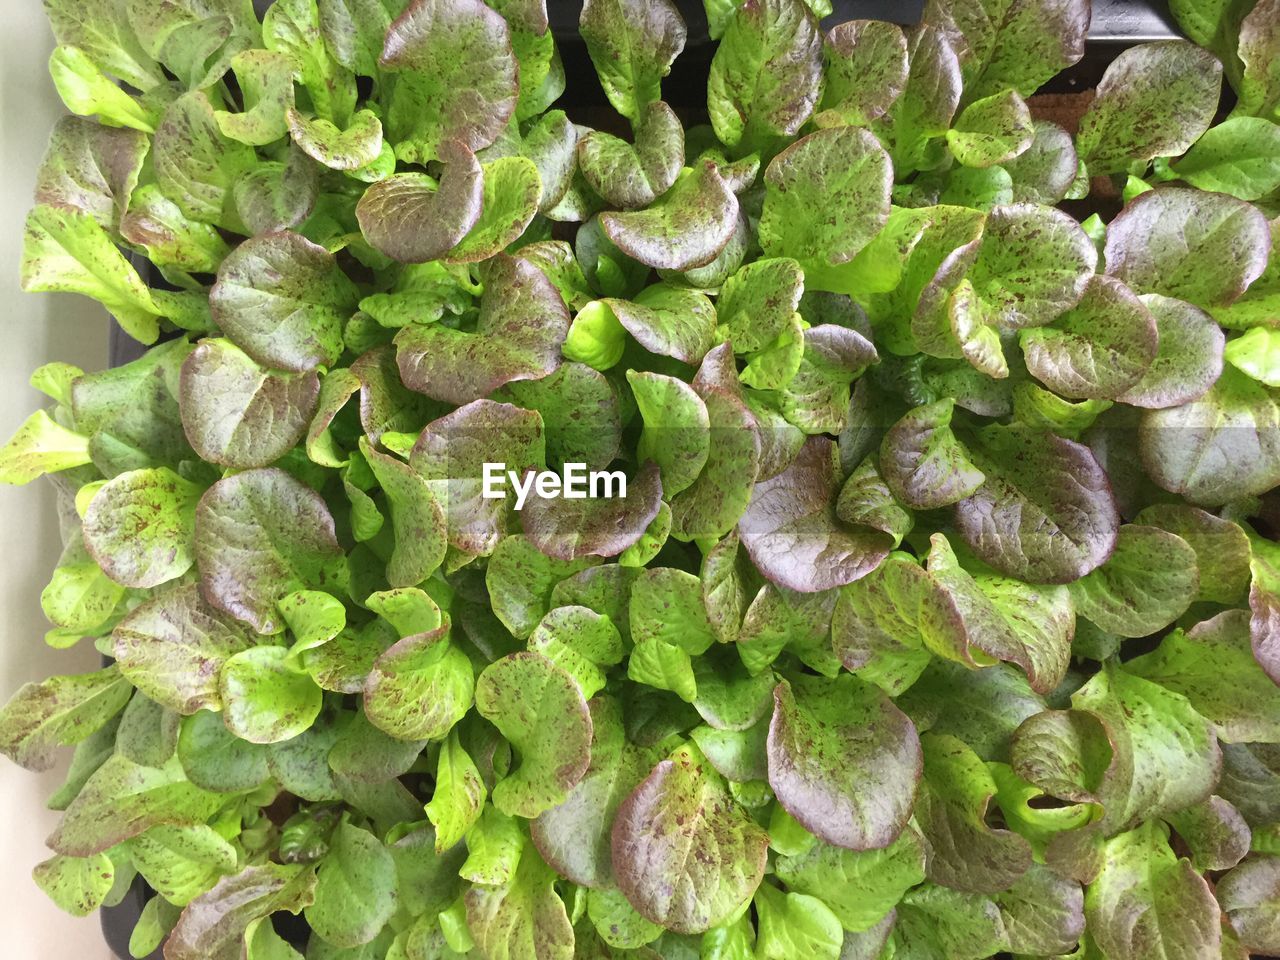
(1115, 25)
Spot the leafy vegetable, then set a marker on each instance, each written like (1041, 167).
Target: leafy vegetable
(840, 522)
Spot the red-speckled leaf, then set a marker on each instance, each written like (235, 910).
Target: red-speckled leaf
(1011, 43)
(522, 323)
(265, 699)
(1203, 247)
(173, 646)
(766, 74)
(1043, 625)
(595, 524)
(1034, 264)
(540, 711)
(876, 625)
(1043, 913)
(575, 835)
(677, 428)
(1045, 171)
(413, 219)
(930, 99)
(1221, 447)
(1264, 604)
(816, 398)
(1259, 40)
(238, 414)
(714, 502)
(866, 71)
(757, 302)
(385, 402)
(1250, 896)
(843, 760)
(685, 854)
(634, 175)
(283, 300)
(213, 926)
(417, 518)
(420, 687)
(1000, 618)
(454, 77)
(1147, 904)
(356, 888)
(353, 32)
(860, 886)
(512, 191)
(1155, 100)
(1213, 666)
(826, 196)
(923, 463)
(1165, 754)
(140, 527)
(337, 387)
(520, 579)
(523, 918)
(865, 499)
(1188, 357)
(92, 167)
(581, 413)
(1045, 513)
(195, 165)
(1222, 548)
(352, 149)
(1065, 753)
(966, 852)
(59, 711)
(261, 535)
(123, 799)
(991, 131)
(687, 227)
(669, 321)
(632, 44)
(451, 453)
(1146, 584)
(1098, 349)
(273, 196)
(791, 531)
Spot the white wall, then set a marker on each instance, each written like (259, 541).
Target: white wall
(34, 328)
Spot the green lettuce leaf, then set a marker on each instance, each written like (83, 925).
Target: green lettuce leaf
(822, 732)
(1155, 100)
(632, 45)
(1148, 903)
(541, 712)
(1008, 43)
(261, 535)
(437, 51)
(685, 854)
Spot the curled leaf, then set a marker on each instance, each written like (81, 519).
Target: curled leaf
(791, 531)
(540, 710)
(411, 218)
(687, 227)
(455, 77)
(517, 337)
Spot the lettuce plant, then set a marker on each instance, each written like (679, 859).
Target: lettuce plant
(938, 621)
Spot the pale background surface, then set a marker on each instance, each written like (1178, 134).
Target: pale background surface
(34, 328)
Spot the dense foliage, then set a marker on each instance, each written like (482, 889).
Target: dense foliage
(936, 622)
